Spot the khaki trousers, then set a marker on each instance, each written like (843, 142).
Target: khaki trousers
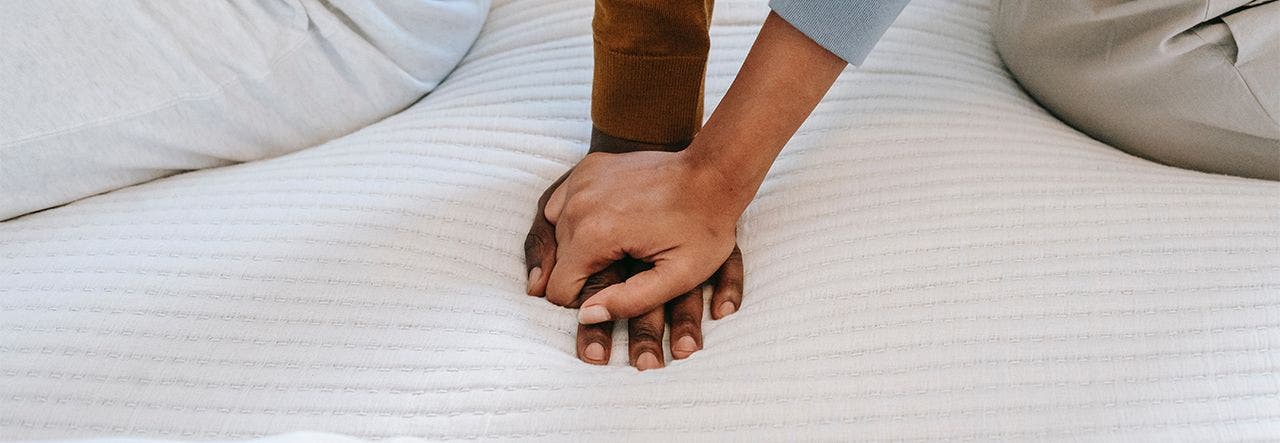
(1189, 83)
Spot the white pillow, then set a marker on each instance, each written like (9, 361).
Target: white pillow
(100, 96)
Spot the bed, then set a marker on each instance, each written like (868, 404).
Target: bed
(933, 256)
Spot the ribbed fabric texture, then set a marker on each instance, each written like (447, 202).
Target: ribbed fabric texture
(847, 28)
(933, 257)
(650, 62)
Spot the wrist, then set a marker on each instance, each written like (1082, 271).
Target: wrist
(728, 182)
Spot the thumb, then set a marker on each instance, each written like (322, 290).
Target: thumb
(642, 292)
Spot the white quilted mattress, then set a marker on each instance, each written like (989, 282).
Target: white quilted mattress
(933, 256)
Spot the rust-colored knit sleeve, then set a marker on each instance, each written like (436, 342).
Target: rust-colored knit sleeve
(650, 61)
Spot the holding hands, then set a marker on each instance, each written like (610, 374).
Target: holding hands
(650, 206)
(634, 226)
(578, 254)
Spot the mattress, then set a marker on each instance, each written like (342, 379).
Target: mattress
(933, 256)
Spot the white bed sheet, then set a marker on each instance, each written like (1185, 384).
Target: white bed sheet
(933, 256)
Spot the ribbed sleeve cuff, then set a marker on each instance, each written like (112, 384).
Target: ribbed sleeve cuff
(847, 28)
(651, 99)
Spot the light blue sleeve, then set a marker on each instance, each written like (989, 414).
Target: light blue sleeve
(847, 28)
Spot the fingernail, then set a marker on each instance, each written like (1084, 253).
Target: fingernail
(593, 314)
(647, 361)
(724, 309)
(534, 275)
(684, 347)
(594, 351)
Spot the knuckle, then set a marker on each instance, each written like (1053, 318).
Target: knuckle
(533, 245)
(731, 280)
(683, 317)
(685, 309)
(726, 294)
(610, 276)
(646, 332)
(551, 190)
(597, 228)
(733, 283)
(556, 293)
(734, 262)
(595, 283)
(557, 299)
(596, 333)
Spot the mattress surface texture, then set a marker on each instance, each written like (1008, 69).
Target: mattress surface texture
(932, 257)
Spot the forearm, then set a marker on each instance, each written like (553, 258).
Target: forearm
(783, 78)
